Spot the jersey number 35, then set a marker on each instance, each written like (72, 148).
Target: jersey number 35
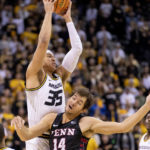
(55, 98)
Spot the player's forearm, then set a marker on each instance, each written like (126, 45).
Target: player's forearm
(24, 133)
(74, 38)
(43, 41)
(45, 32)
(71, 59)
(131, 121)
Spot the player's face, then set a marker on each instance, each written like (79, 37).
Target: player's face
(75, 104)
(49, 62)
(147, 121)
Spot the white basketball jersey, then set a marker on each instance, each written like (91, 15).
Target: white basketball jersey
(49, 97)
(144, 144)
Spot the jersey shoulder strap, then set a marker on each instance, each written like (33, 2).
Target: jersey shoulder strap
(58, 120)
(77, 119)
(81, 116)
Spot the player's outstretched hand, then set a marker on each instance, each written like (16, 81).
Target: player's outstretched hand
(49, 5)
(17, 122)
(67, 15)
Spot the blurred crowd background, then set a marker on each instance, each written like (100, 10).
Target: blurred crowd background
(114, 64)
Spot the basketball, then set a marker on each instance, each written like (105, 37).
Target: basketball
(61, 6)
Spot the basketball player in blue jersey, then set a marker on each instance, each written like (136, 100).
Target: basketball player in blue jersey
(44, 81)
(2, 139)
(71, 130)
(144, 143)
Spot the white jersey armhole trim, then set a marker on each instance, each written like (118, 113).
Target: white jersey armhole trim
(33, 89)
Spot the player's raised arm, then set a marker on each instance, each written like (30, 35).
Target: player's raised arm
(71, 59)
(43, 40)
(102, 127)
(28, 133)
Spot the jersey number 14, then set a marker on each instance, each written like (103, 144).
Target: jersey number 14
(61, 145)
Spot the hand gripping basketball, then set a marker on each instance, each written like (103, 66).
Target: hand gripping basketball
(61, 6)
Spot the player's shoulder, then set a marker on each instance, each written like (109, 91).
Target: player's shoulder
(86, 119)
(89, 120)
(59, 70)
(85, 125)
(51, 115)
(62, 72)
(49, 118)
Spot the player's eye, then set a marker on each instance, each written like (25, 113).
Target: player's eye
(74, 98)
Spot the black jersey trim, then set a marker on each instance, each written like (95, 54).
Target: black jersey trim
(44, 136)
(54, 76)
(37, 88)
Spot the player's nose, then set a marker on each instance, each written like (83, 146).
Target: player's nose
(73, 103)
(53, 58)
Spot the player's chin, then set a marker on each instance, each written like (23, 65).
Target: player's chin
(53, 68)
(68, 110)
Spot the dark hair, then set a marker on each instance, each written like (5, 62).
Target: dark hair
(2, 134)
(84, 92)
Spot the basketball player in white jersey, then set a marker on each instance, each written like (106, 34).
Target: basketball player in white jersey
(2, 139)
(44, 81)
(145, 140)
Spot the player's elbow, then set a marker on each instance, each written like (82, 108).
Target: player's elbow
(78, 49)
(24, 139)
(25, 136)
(43, 40)
(124, 128)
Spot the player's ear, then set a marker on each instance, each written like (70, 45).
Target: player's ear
(84, 110)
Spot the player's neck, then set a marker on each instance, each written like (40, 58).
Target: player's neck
(68, 117)
(48, 72)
